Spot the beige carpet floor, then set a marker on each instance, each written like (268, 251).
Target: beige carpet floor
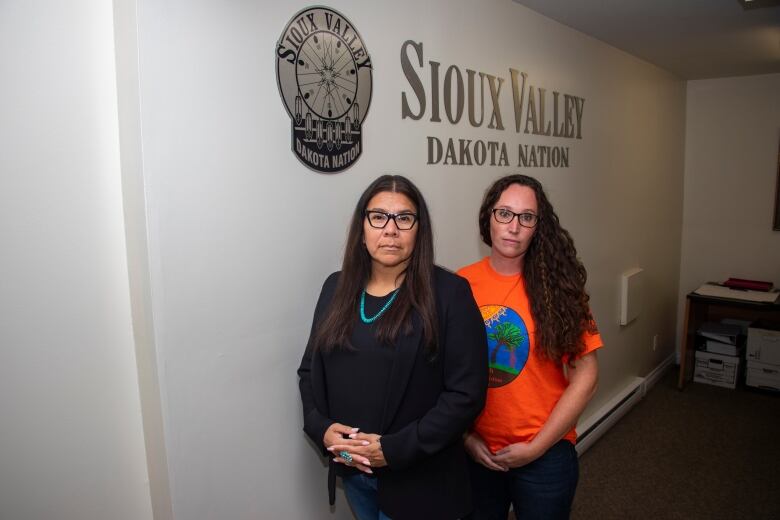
(704, 452)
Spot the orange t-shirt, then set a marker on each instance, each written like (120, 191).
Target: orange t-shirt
(523, 387)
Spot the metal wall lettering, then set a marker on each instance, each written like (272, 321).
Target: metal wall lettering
(536, 111)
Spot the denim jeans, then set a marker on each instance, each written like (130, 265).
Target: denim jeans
(361, 491)
(543, 489)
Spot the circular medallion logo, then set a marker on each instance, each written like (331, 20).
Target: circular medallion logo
(324, 74)
(508, 343)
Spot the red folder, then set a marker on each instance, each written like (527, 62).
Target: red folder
(753, 285)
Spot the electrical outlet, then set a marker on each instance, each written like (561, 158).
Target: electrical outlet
(655, 342)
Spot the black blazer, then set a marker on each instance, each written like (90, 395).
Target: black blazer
(430, 403)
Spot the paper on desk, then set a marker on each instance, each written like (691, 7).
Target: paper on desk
(718, 291)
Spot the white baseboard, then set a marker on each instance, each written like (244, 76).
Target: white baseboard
(657, 373)
(592, 428)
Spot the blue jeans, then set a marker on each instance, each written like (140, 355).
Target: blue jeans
(543, 489)
(361, 491)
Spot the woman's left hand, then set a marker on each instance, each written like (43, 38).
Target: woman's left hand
(370, 450)
(517, 455)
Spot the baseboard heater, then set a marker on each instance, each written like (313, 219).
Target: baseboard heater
(591, 429)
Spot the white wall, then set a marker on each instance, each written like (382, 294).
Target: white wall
(71, 441)
(235, 266)
(731, 154)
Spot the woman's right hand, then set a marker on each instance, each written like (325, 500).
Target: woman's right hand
(479, 451)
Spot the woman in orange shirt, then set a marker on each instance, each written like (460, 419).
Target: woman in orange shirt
(541, 350)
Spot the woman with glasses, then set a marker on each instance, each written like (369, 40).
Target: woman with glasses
(541, 349)
(390, 379)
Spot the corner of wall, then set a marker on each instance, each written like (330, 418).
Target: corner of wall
(134, 203)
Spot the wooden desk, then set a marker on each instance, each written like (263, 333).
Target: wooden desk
(699, 309)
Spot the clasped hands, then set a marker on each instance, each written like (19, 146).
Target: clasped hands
(512, 456)
(364, 449)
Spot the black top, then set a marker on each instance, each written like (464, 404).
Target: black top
(428, 405)
(357, 379)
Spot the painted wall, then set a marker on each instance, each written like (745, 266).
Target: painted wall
(71, 440)
(732, 136)
(241, 235)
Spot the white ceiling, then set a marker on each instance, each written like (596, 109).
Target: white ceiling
(693, 39)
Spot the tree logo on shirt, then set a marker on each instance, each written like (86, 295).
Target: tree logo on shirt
(508, 343)
(324, 73)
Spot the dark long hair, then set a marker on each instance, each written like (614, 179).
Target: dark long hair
(416, 291)
(554, 276)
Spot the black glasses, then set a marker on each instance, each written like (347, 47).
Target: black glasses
(379, 219)
(505, 216)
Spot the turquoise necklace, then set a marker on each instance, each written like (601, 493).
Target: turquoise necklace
(386, 306)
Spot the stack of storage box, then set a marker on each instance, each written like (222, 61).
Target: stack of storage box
(763, 356)
(718, 354)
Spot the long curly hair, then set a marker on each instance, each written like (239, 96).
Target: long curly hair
(416, 294)
(554, 276)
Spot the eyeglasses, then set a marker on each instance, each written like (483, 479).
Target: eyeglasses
(379, 219)
(505, 216)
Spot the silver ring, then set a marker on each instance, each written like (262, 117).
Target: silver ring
(346, 456)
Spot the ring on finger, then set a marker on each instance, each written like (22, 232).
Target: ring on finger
(346, 456)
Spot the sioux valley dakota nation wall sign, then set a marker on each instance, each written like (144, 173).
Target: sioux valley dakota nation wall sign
(549, 121)
(324, 73)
